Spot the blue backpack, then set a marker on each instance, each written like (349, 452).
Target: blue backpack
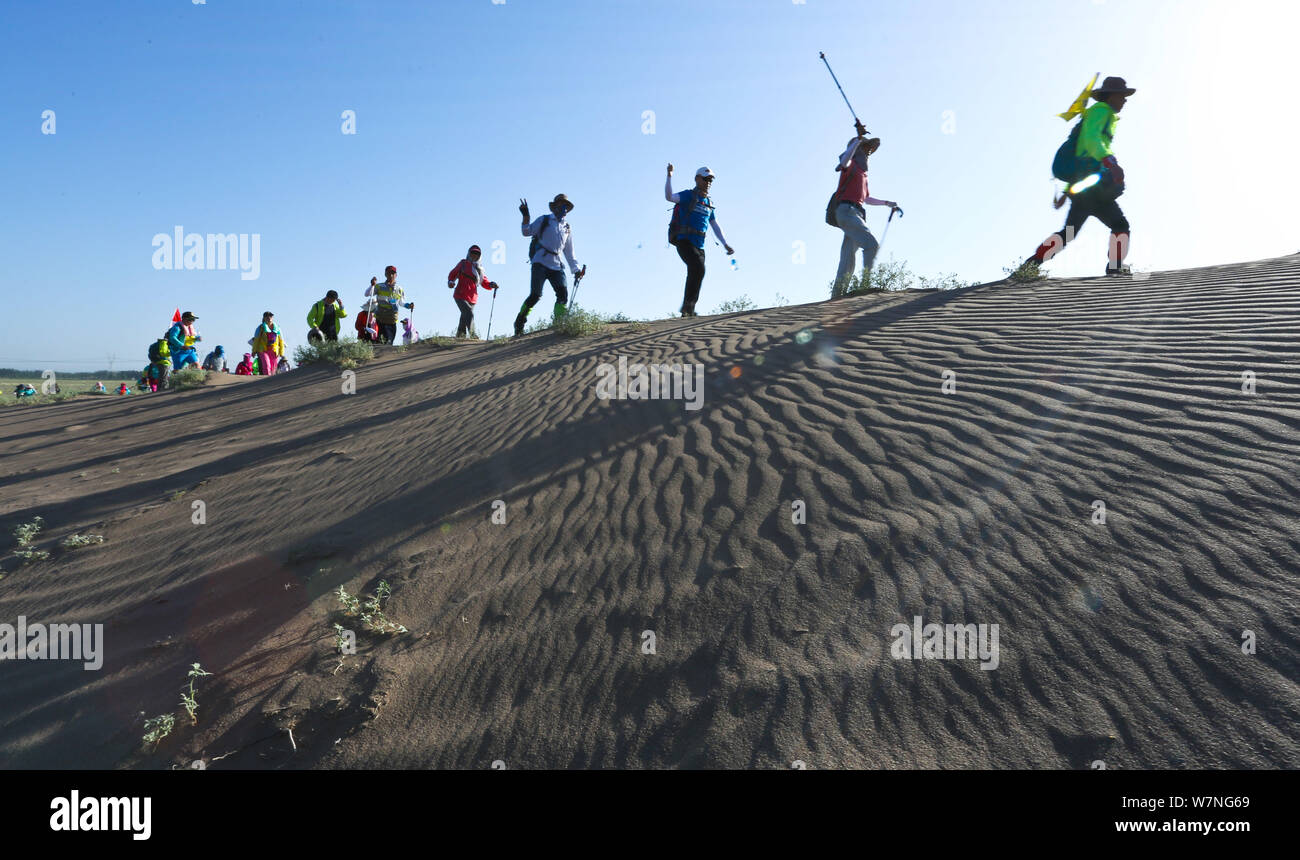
(1068, 166)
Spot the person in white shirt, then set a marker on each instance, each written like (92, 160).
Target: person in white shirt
(551, 238)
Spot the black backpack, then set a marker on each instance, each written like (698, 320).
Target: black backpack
(155, 351)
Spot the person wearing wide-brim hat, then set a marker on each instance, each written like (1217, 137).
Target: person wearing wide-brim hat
(848, 209)
(552, 238)
(1093, 152)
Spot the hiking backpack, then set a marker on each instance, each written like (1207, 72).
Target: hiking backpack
(677, 226)
(1068, 166)
(155, 350)
(537, 240)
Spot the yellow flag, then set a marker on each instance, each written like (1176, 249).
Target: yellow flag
(1081, 102)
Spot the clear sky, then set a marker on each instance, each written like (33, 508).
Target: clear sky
(226, 117)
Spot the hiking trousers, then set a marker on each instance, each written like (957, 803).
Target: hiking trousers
(857, 236)
(693, 257)
(1095, 203)
(466, 317)
(558, 281)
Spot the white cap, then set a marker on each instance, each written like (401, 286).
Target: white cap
(703, 171)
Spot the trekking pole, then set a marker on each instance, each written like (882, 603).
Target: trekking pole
(577, 279)
(889, 221)
(492, 310)
(841, 89)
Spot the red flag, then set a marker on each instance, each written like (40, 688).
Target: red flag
(176, 317)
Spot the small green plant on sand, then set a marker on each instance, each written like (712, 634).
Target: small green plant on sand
(347, 353)
(892, 275)
(24, 534)
(1029, 270)
(740, 303)
(27, 532)
(190, 377)
(578, 323)
(188, 699)
(75, 541)
(157, 728)
(371, 612)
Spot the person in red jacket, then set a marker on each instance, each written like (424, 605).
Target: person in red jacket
(465, 279)
(366, 325)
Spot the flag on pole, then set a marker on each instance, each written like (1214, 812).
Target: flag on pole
(1081, 102)
(176, 317)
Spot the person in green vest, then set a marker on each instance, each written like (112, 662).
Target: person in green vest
(1094, 158)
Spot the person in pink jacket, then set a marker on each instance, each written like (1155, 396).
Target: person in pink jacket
(465, 279)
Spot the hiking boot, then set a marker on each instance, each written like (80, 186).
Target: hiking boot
(519, 325)
(1118, 272)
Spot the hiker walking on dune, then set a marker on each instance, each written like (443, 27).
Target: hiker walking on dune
(551, 238)
(466, 279)
(181, 338)
(688, 229)
(268, 343)
(847, 210)
(323, 318)
(388, 299)
(1087, 164)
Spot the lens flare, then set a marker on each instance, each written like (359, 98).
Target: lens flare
(1085, 183)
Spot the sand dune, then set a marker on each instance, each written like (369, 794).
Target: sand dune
(1119, 642)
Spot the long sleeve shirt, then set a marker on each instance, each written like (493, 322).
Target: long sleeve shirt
(713, 219)
(1097, 132)
(853, 180)
(556, 239)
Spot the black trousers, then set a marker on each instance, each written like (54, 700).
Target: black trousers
(387, 332)
(693, 257)
(466, 317)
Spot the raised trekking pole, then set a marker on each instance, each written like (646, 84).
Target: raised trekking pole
(841, 89)
(495, 289)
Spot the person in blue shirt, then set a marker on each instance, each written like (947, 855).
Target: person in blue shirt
(692, 216)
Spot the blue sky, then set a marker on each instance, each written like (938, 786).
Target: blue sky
(225, 117)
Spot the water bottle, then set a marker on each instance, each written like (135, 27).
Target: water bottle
(735, 267)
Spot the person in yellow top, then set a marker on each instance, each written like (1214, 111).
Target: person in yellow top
(1094, 157)
(268, 343)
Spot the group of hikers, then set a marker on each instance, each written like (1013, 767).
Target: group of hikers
(1085, 163)
(177, 350)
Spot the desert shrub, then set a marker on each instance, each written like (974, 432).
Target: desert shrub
(579, 323)
(190, 377)
(346, 353)
(731, 306)
(892, 275)
(76, 541)
(1029, 270)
